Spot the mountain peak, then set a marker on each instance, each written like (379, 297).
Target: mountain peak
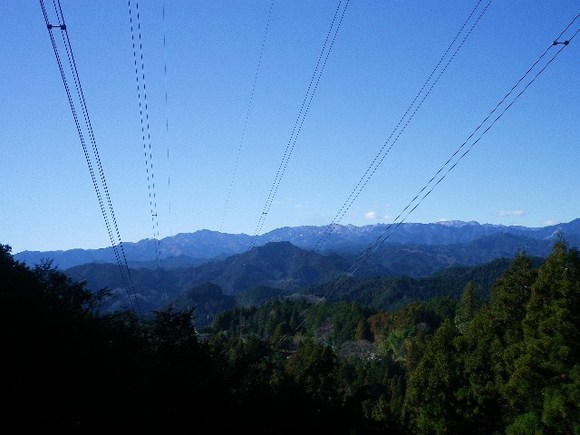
(457, 223)
(206, 244)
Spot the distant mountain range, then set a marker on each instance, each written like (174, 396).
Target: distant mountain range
(193, 249)
(281, 267)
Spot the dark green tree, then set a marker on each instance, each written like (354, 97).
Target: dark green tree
(313, 367)
(469, 304)
(544, 386)
(486, 348)
(431, 406)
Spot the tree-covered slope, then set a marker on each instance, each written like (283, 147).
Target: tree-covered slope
(508, 363)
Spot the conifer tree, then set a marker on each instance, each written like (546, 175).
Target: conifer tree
(430, 403)
(545, 384)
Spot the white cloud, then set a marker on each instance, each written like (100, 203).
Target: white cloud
(549, 223)
(371, 216)
(511, 213)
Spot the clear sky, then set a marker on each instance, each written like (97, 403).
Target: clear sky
(524, 171)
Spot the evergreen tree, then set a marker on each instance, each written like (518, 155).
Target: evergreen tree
(470, 302)
(486, 347)
(544, 386)
(313, 367)
(430, 403)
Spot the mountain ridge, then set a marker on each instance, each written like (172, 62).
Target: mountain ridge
(284, 267)
(203, 245)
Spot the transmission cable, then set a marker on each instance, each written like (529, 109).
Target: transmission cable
(166, 105)
(248, 111)
(448, 166)
(79, 98)
(378, 159)
(304, 108)
(139, 65)
(403, 123)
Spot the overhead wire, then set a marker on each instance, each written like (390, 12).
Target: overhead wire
(105, 201)
(166, 110)
(139, 64)
(403, 122)
(420, 98)
(303, 112)
(247, 116)
(450, 164)
(107, 210)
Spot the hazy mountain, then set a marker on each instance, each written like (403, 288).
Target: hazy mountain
(179, 250)
(191, 249)
(278, 265)
(423, 260)
(282, 267)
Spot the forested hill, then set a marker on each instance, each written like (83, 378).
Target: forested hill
(283, 267)
(192, 249)
(301, 364)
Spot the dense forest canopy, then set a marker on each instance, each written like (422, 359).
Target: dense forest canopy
(506, 360)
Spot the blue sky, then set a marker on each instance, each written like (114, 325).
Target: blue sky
(524, 171)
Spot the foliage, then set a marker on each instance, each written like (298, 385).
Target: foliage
(392, 293)
(430, 402)
(205, 301)
(497, 356)
(544, 383)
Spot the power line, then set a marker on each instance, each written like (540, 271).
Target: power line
(403, 122)
(107, 210)
(303, 112)
(139, 64)
(166, 118)
(450, 164)
(248, 110)
(408, 115)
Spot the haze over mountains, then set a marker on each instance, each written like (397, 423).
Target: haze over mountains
(192, 249)
(215, 271)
